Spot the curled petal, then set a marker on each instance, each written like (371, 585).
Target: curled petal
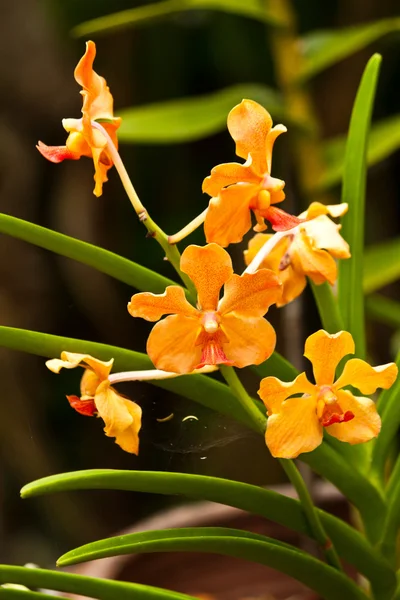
(251, 294)
(273, 392)
(317, 264)
(57, 154)
(228, 218)
(273, 259)
(251, 340)
(209, 267)
(249, 124)
(84, 407)
(324, 233)
(172, 344)
(153, 306)
(89, 383)
(325, 351)
(228, 174)
(316, 209)
(122, 417)
(293, 282)
(365, 378)
(279, 219)
(294, 429)
(271, 137)
(365, 425)
(70, 360)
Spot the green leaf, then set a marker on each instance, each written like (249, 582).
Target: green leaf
(107, 262)
(382, 309)
(326, 581)
(193, 118)
(351, 298)
(278, 366)
(321, 49)
(350, 544)
(328, 307)
(151, 13)
(384, 139)
(101, 589)
(381, 265)
(199, 388)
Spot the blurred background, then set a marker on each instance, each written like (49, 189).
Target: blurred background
(183, 54)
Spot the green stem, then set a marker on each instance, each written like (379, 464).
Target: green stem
(289, 467)
(328, 307)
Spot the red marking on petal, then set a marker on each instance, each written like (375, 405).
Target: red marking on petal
(212, 354)
(281, 220)
(56, 154)
(336, 418)
(83, 407)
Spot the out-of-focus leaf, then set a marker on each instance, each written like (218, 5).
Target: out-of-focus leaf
(193, 118)
(384, 139)
(325, 580)
(278, 366)
(381, 265)
(351, 297)
(322, 49)
(12, 594)
(150, 13)
(101, 589)
(349, 543)
(382, 309)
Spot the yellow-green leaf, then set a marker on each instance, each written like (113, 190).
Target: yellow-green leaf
(381, 265)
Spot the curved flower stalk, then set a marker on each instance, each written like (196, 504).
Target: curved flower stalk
(226, 331)
(295, 423)
(309, 251)
(238, 189)
(121, 416)
(83, 139)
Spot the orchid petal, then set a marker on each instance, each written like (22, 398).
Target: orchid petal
(324, 234)
(325, 351)
(250, 294)
(363, 427)
(365, 378)
(317, 264)
(273, 392)
(251, 340)
(227, 174)
(70, 360)
(172, 344)
(153, 306)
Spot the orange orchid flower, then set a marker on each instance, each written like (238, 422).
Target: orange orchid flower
(238, 189)
(226, 331)
(309, 252)
(121, 416)
(83, 139)
(295, 424)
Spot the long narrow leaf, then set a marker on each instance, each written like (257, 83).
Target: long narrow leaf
(103, 260)
(101, 589)
(12, 594)
(351, 299)
(193, 118)
(322, 49)
(151, 13)
(384, 310)
(381, 264)
(326, 581)
(350, 544)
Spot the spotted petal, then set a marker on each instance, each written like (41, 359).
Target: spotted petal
(365, 378)
(250, 294)
(153, 306)
(273, 392)
(229, 174)
(363, 427)
(249, 124)
(251, 340)
(325, 351)
(172, 344)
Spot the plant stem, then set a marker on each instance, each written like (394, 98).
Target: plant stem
(268, 247)
(328, 307)
(316, 528)
(189, 228)
(171, 252)
(153, 374)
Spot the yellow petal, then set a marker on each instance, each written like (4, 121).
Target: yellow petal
(365, 378)
(153, 306)
(89, 384)
(70, 360)
(122, 417)
(228, 217)
(295, 429)
(172, 344)
(228, 174)
(325, 351)
(249, 124)
(209, 267)
(273, 391)
(324, 234)
(250, 340)
(316, 208)
(317, 264)
(250, 294)
(269, 145)
(365, 425)
(293, 282)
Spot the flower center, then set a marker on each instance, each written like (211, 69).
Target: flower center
(263, 200)
(210, 321)
(329, 410)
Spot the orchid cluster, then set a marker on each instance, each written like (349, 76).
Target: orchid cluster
(204, 330)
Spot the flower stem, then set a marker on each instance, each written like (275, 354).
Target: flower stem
(171, 252)
(328, 307)
(288, 466)
(188, 229)
(153, 374)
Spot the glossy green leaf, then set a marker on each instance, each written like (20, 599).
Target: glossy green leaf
(351, 297)
(321, 49)
(199, 388)
(384, 139)
(102, 260)
(326, 581)
(382, 309)
(101, 589)
(192, 118)
(350, 544)
(381, 265)
(151, 13)
(11, 594)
